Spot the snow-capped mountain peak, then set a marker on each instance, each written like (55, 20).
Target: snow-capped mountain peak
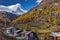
(15, 9)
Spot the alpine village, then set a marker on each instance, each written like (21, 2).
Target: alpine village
(39, 23)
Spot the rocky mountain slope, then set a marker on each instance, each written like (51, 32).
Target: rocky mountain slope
(46, 15)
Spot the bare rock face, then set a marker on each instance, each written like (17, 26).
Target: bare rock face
(6, 17)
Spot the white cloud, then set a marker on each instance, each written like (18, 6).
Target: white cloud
(38, 1)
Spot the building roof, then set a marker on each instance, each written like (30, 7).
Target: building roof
(55, 34)
(9, 27)
(18, 30)
(26, 32)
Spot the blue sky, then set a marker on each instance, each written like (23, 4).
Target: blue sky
(25, 4)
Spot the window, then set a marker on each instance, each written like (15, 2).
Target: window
(31, 35)
(42, 36)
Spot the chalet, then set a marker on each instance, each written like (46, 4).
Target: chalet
(55, 36)
(27, 35)
(20, 34)
(9, 31)
(17, 33)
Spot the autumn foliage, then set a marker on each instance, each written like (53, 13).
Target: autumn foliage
(45, 15)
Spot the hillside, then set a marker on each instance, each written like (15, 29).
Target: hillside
(46, 15)
(6, 18)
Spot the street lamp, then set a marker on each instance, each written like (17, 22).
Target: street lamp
(5, 25)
